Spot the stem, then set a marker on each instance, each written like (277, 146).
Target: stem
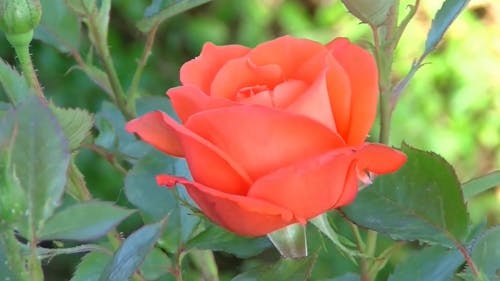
(107, 61)
(204, 260)
(469, 261)
(23, 54)
(133, 90)
(34, 263)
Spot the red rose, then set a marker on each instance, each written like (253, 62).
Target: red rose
(272, 135)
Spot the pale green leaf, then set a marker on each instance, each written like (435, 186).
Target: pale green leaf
(475, 186)
(76, 124)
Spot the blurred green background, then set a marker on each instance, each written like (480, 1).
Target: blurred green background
(451, 107)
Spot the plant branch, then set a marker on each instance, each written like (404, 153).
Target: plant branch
(134, 86)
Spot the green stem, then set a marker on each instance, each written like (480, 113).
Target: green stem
(24, 57)
(102, 49)
(34, 262)
(204, 260)
(134, 86)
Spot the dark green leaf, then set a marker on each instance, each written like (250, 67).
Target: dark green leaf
(434, 264)
(76, 124)
(40, 159)
(480, 184)
(486, 254)
(160, 10)
(132, 252)
(155, 202)
(84, 221)
(422, 201)
(59, 27)
(285, 269)
(91, 266)
(443, 19)
(13, 83)
(155, 265)
(218, 239)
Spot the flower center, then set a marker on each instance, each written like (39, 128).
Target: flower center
(250, 91)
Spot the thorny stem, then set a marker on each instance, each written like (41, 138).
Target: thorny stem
(23, 54)
(133, 90)
(110, 157)
(469, 261)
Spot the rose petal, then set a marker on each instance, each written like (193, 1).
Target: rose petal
(287, 52)
(202, 70)
(238, 74)
(362, 72)
(310, 187)
(379, 159)
(153, 130)
(188, 100)
(241, 215)
(282, 95)
(261, 139)
(207, 163)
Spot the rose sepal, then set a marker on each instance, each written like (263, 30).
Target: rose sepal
(290, 241)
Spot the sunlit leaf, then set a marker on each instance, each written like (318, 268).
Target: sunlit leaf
(443, 19)
(160, 10)
(480, 184)
(59, 26)
(285, 269)
(218, 239)
(76, 124)
(422, 201)
(84, 221)
(132, 252)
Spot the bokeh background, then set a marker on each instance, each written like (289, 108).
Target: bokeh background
(452, 106)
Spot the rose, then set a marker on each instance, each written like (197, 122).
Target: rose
(272, 135)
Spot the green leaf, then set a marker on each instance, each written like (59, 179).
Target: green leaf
(486, 254)
(218, 239)
(59, 27)
(480, 184)
(155, 265)
(155, 202)
(422, 201)
(6, 272)
(13, 83)
(443, 19)
(84, 221)
(91, 266)
(76, 124)
(285, 269)
(40, 159)
(76, 186)
(434, 264)
(160, 10)
(132, 252)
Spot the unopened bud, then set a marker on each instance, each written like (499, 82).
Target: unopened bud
(368, 11)
(19, 16)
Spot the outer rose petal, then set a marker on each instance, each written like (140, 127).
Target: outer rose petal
(362, 72)
(288, 52)
(261, 139)
(241, 215)
(375, 158)
(310, 187)
(188, 100)
(153, 130)
(207, 163)
(202, 70)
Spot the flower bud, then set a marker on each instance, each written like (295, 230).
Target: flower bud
(19, 16)
(371, 12)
